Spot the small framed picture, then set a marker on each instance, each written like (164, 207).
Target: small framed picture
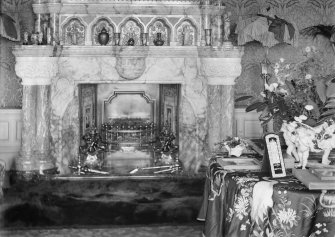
(275, 156)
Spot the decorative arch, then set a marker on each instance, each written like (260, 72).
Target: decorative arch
(186, 33)
(131, 28)
(101, 23)
(159, 25)
(73, 32)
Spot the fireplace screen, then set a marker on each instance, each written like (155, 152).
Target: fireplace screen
(128, 128)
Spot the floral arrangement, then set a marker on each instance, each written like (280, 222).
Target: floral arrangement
(91, 145)
(234, 145)
(232, 142)
(303, 91)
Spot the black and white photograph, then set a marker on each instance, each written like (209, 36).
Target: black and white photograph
(169, 118)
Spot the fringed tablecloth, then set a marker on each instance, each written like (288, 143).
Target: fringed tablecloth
(251, 204)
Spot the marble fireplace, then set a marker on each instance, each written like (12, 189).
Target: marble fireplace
(203, 67)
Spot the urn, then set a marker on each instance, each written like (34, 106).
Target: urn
(103, 37)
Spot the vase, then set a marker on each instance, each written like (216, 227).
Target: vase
(144, 39)
(208, 37)
(117, 39)
(235, 151)
(131, 42)
(103, 37)
(158, 41)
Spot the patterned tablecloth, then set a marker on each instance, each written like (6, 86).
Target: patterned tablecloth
(239, 204)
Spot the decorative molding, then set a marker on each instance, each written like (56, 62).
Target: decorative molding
(130, 68)
(74, 32)
(221, 71)
(159, 25)
(102, 22)
(36, 71)
(127, 51)
(131, 28)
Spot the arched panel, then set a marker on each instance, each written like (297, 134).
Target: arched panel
(130, 29)
(74, 32)
(186, 33)
(159, 26)
(98, 26)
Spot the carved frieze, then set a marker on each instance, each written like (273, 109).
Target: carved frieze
(36, 71)
(221, 71)
(159, 26)
(131, 30)
(97, 28)
(74, 32)
(130, 68)
(186, 33)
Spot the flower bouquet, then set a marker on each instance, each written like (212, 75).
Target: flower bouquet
(234, 145)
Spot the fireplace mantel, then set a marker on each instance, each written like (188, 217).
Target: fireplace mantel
(51, 75)
(197, 56)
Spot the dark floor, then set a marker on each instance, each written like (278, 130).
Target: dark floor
(98, 202)
(129, 231)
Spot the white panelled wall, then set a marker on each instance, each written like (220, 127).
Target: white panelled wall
(10, 135)
(245, 125)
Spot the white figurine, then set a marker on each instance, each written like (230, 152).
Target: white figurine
(226, 26)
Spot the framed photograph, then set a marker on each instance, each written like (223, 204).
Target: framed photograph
(275, 156)
(239, 163)
(170, 116)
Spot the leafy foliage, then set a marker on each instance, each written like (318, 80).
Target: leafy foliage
(295, 86)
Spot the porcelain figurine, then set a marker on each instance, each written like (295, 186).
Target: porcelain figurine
(25, 38)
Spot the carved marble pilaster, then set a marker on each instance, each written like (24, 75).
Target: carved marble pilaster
(221, 74)
(36, 74)
(43, 127)
(220, 112)
(35, 70)
(25, 161)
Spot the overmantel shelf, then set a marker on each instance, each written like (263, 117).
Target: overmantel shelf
(127, 51)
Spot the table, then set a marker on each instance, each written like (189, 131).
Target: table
(253, 204)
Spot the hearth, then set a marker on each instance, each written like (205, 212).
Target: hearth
(129, 120)
(100, 201)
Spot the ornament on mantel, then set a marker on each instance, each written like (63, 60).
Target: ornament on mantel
(158, 41)
(103, 37)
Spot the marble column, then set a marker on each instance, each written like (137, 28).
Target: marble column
(26, 161)
(206, 16)
(220, 112)
(221, 74)
(36, 74)
(54, 9)
(43, 127)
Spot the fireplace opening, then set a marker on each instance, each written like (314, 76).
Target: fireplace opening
(130, 120)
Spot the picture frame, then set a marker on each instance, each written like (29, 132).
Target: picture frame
(274, 155)
(239, 163)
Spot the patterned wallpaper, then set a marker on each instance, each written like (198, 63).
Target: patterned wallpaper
(11, 89)
(302, 12)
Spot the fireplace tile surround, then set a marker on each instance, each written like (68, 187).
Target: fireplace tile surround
(51, 75)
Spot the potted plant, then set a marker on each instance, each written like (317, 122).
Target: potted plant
(293, 86)
(302, 97)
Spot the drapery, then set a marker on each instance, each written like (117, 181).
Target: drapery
(9, 27)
